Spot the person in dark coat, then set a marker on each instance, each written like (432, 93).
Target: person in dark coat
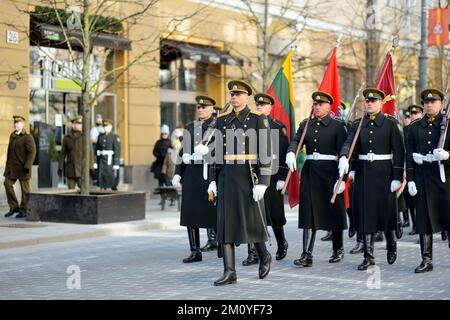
(160, 151)
(323, 140)
(19, 161)
(273, 199)
(379, 157)
(431, 186)
(240, 177)
(196, 210)
(108, 157)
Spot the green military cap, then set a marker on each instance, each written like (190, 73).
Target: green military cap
(77, 119)
(217, 107)
(415, 108)
(263, 98)
(107, 122)
(240, 86)
(205, 101)
(432, 94)
(320, 96)
(342, 103)
(373, 94)
(18, 118)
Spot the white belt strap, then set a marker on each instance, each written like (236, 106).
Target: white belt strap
(374, 157)
(108, 153)
(195, 157)
(318, 156)
(429, 158)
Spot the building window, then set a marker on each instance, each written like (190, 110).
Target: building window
(348, 84)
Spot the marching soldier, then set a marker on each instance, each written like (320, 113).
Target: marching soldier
(323, 140)
(273, 199)
(108, 157)
(426, 180)
(241, 177)
(196, 211)
(71, 154)
(20, 157)
(379, 164)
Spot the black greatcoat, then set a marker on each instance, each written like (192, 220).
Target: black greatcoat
(410, 201)
(111, 143)
(240, 136)
(433, 196)
(196, 210)
(273, 199)
(325, 136)
(374, 205)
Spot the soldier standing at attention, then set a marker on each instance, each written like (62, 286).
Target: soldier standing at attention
(323, 140)
(379, 165)
(108, 157)
(20, 157)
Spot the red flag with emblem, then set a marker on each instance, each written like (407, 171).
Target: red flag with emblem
(438, 27)
(386, 84)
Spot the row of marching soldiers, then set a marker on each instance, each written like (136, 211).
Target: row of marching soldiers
(233, 191)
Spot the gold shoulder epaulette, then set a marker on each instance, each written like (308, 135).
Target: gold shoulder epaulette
(223, 115)
(256, 112)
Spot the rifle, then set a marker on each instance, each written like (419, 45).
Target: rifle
(444, 129)
(299, 147)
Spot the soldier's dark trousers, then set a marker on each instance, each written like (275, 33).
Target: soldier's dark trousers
(194, 243)
(359, 247)
(426, 250)
(73, 182)
(282, 244)
(264, 259)
(11, 195)
(369, 258)
(391, 246)
(229, 270)
(212, 242)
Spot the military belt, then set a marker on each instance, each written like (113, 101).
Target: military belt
(108, 153)
(429, 158)
(375, 157)
(238, 157)
(318, 156)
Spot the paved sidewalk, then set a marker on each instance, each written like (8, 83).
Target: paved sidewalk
(19, 233)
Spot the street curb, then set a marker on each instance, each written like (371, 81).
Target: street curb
(89, 235)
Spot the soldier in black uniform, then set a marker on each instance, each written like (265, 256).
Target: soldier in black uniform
(324, 139)
(196, 211)
(108, 157)
(273, 199)
(424, 162)
(379, 164)
(242, 172)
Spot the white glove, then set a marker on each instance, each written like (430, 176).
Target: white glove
(176, 180)
(116, 167)
(186, 158)
(280, 184)
(291, 161)
(412, 189)
(212, 188)
(95, 166)
(441, 154)
(343, 166)
(201, 150)
(341, 187)
(351, 175)
(258, 192)
(395, 184)
(418, 158)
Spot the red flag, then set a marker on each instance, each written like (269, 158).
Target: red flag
(330, 83)
(282, 91)
(386, 84)
(438, 27)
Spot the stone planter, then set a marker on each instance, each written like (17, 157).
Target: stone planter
(98, 207)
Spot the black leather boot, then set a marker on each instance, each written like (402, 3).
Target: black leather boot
(212, 241)
(338, 246)
(306, 259)
(391, 246)
(229, 271)
(426, 249)
(413, 219)
(281, 242)
(359, 247)
(219, 250)
(444, 236)
(194, 243)
(369, 259)
(405, 219)
(351, 229)
(252, 257)
(378, 237)
(11, 212)
(264, 259)
(327, 237)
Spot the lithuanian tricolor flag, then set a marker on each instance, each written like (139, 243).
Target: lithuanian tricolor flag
(283, 110)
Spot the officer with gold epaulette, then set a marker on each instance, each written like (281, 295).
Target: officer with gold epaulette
(239, 179)
(273, 199)
(324, 138)
(19, 161)
(70, 159)
(428, 175)
(108, 157)
(379, 156)
(196, 211)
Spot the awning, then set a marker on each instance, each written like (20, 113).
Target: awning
(171, 50)
(50, 34)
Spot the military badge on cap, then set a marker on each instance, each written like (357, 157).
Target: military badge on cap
(373, 94)
(18, 118)
(320, 96)
(205, 101)
(264, 98)
(431, 95)
(240, 86)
